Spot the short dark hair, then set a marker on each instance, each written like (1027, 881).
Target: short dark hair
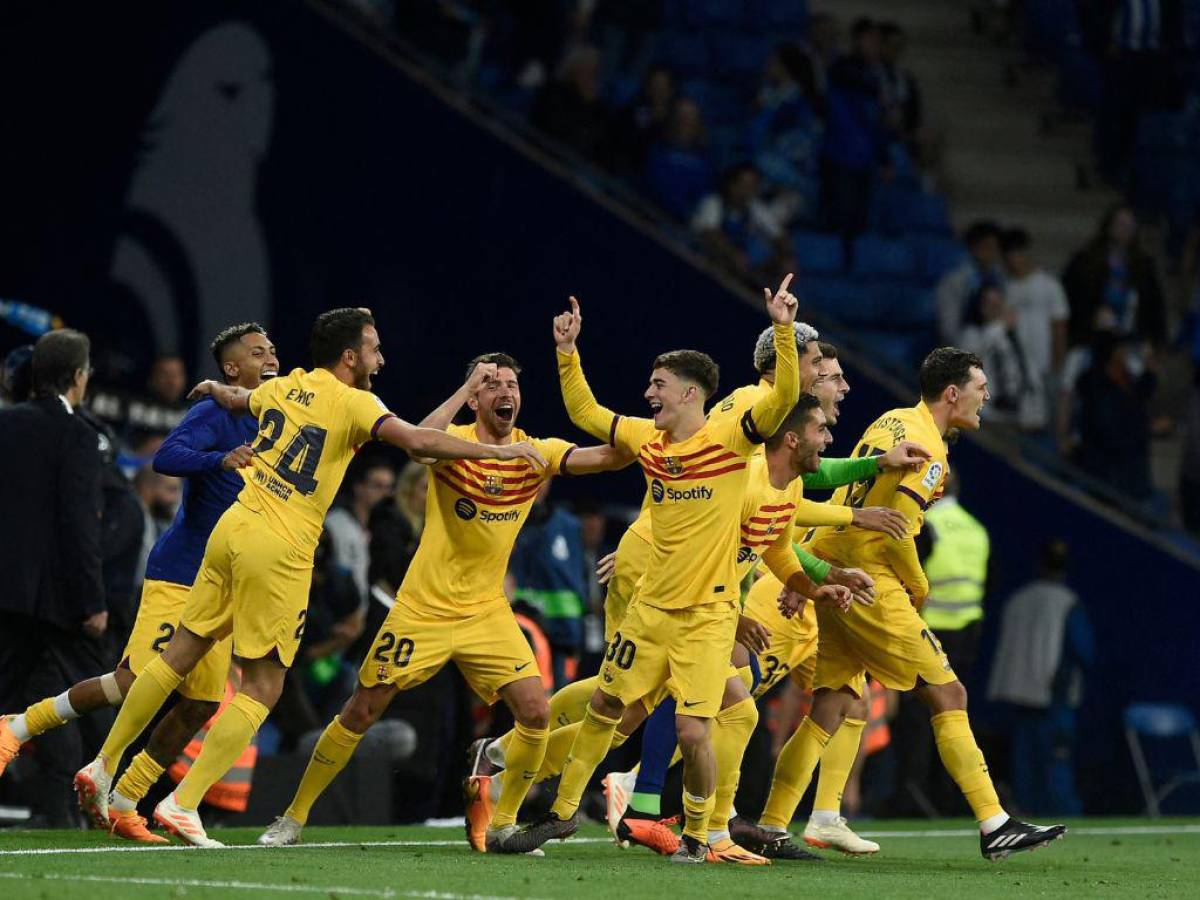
(828, 351)
(230, 336)
(692, 365)
(57, 356)
(1014, 239)
(943, 367)
(336, 331)
(499, 360)
(1054, 557)
(794, 420)
(979, 231)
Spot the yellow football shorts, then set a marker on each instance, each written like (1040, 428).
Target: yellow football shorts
(489, 649)
(633, 558)
(157, 617)
(670, 689)
(252, 584)
(888, 639)
(689, 646)
(793, 647)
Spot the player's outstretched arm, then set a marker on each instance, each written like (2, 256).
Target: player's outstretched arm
(585, 412)
(235, 399)
(761, 420)
(441, 417)
(589, 460)
(188, 449)
(837, 472)
(434, 444)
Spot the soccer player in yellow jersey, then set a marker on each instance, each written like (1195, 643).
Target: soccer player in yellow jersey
(681, 626)
(254, 579)
(452, 607)
(889, 639)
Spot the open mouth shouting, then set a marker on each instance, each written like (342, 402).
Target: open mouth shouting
(655, 408)
(505, 410)
(268, 372)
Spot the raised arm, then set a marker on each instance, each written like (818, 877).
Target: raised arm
(585, 412)
(234, 399)
(441, 417)
(837, 472)
(434, 444)
(761, 420)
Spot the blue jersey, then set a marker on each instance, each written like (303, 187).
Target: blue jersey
(193, 451)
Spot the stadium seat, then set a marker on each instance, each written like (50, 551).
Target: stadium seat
(1162, 723)
(848, 301)
(739, 55)
(937, 256)
(880, 257)
(904, 305)
(818, 253)
(789, 16)
(715, 13)
(894, 348)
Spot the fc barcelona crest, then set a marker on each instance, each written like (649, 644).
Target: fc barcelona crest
(673, 465)
(381, 674)
(493, 485)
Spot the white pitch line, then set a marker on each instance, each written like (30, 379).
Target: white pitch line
(1115, 830)
(253, 886)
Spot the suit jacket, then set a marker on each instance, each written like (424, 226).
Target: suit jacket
(50, 505)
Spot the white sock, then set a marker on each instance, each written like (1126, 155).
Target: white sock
(991, 823)
(774, 829)
(121, 803)
(824, 817)
(714, 836)
(495, 754)
(62, 706)
(19, 729)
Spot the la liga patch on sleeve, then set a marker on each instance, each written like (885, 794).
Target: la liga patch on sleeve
(933, 476)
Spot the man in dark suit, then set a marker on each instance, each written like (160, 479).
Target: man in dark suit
(52, 608)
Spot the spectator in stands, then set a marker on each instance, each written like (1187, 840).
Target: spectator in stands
(678, 169)
(739, 229)
(53, 611)
(643, 122)
(856, 135)
(569, 107)
(159, 496)
(785, 136)
(1113, 271)
(369, 482)
(168, 379)
(1039, 304)
(821, 47)
(990, 333)
(16, 376)
(902, 94)
(1045, 648)
(1114, 417)
(962, 283)
(548, 571)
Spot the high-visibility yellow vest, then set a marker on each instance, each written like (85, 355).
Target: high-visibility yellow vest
(957, 567)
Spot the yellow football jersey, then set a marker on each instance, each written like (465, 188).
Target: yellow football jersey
(865, 549)
(309, 427)
(768, 523)
(473, 512)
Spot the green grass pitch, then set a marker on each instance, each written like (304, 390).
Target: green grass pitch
(1099, 858)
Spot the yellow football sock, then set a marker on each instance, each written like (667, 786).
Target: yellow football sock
(836, 763)
(41, 717)
(964, 761)
(522, 760)
(793, 772)
(230, 735)
(150, 690)
(334, 749)
(566, 708)
(141, 775)
(591, 744)
(697, 811)
(730, 735)
(569, 703)
(558, 746)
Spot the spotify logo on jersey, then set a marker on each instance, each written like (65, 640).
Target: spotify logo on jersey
(657, 491)
(464, 509)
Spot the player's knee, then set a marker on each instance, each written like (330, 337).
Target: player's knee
(195, 713)
(940, 698)
(607, 705)
(858, 709)
(124, 678)
(533, 712)
(361, 711)
(691, 732)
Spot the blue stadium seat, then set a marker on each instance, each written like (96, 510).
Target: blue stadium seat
(685, 52)
(720, 103)
(893, 347)
(880, 257)
(937, 256)
(1162, 723)
(739, 55)
(716, 13)
(818, 253)
(927, 213)
(848, 301)
(904, 305)
(790, 16)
